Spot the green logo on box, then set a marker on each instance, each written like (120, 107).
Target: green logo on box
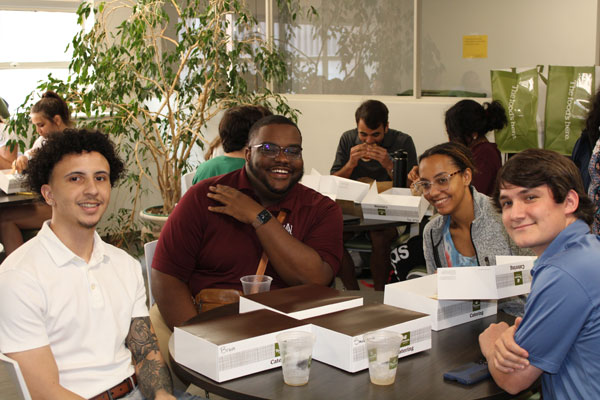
(518, 278)
(405, 339)
(373, 355)
(476, 305)
(381, 211)
(277, 352)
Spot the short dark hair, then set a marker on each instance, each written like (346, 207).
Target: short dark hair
(373, 112)
(536, 167)
(460, 154)
(236, 123)
(70, 141)
(270, 120)
(52, 104)
(467, 117)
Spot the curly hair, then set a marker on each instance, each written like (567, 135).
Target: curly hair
(70, 141)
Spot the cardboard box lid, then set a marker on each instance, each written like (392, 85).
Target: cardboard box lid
(299, 298)
(335, 187)
(424, 286)
(486, 282)
(233, 328)
(359, 320)
(11, 182)
(400, 197)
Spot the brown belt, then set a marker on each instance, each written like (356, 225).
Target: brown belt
(119, 390)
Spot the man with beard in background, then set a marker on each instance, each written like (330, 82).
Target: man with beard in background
(220, 228)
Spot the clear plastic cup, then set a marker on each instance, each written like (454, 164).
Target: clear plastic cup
(256, 283)
(383, 347)
(296, 356)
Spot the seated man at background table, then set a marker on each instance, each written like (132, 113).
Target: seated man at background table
(73, 308)
(220, 228)
(364, 152)
(233, 131)
(544, 207)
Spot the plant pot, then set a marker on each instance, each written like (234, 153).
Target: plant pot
(152, 223)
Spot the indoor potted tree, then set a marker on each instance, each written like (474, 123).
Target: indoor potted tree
(154, 79)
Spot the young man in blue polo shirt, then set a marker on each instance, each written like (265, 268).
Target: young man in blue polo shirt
(544, 207)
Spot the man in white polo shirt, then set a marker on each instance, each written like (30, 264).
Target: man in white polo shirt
(73, 308)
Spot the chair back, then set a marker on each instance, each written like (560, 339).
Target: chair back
(15, 387)
(149, 249)
(186, 182)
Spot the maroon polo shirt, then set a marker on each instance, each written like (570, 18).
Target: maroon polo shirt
(207, 249)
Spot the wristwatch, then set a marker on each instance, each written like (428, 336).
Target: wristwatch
(262, 218)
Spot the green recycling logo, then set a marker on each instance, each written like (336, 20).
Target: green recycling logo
(277, 352)
(405, 339)
(518, 278)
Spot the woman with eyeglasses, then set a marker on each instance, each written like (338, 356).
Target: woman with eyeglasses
(468, 231)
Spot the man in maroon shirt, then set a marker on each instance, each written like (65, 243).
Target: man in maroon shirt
(220, 228)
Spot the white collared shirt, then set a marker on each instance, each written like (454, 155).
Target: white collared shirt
(50, 296)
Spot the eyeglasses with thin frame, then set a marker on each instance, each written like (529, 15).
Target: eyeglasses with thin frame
(272, 150)
(442, 182)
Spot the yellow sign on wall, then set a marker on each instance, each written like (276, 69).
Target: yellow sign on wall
(475, 46)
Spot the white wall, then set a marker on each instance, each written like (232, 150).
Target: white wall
(521, 33)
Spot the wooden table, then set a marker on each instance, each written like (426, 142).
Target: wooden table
(9, 200)
(420, 376)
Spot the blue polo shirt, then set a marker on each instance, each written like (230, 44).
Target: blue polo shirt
(561, 324)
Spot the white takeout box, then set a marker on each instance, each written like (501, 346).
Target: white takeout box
(509, 279)
(420, 294)
(336, 187)
(397, 204)
(236, 345)
(300, 302)
(340, 340)
(12, 182)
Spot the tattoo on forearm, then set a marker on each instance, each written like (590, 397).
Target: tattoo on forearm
(152, 372)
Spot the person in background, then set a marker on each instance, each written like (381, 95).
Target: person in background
(585, 144)
(50, 114)
(73, 308)
(544, 207)
(233, 134)
(364, 153)
(586, 156)
(467, 231)
(468, 122)
(7, 155)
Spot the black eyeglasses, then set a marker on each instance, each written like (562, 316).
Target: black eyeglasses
(272, 150)
(442, 182)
